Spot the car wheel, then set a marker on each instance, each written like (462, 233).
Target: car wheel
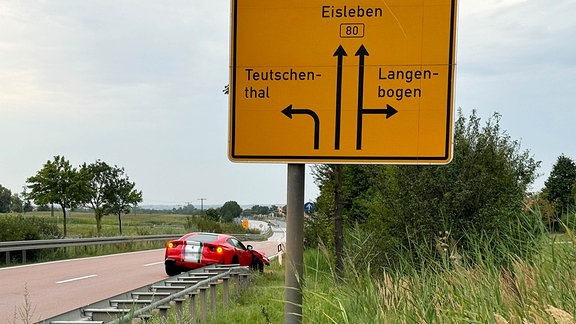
(234, 259)
(172, 270)
(257, 264)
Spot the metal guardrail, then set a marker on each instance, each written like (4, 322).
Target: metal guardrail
(193, 286)
(69, 242)
(23, 246)
(201, 286)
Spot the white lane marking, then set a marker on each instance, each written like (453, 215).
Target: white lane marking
(79, 259)
(152, 264)
(75, 279)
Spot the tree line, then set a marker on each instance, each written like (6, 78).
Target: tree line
(190, 209)
(10, 202)
(106, 189)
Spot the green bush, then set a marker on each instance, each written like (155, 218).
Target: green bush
(469, 207)
(21, 228)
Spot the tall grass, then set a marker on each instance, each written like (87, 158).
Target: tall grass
(471, 286)
(539, 290)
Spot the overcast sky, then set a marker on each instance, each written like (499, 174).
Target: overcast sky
(138, 84)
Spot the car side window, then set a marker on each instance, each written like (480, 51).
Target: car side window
(237, 244)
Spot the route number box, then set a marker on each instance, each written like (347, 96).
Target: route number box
(342, 81)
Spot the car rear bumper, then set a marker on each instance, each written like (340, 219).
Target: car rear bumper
(182, 264)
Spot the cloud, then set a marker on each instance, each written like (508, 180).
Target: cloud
(139, 84)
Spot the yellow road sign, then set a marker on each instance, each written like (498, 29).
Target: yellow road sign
(342, 81)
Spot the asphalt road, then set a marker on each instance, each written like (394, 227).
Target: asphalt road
(57, 287)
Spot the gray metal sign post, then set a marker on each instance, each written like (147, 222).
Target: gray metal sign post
(294, 244)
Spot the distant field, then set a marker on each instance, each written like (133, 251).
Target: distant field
(82, 224)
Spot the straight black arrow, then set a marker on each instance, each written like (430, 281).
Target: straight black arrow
(340, 53)
(289, 111)
(361, 52)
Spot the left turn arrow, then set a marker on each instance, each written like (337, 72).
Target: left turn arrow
(289, 111)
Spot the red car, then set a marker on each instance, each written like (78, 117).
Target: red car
(195, 250)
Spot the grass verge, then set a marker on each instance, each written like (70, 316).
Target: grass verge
(540, 291)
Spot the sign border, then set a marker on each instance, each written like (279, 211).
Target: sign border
(345, 159)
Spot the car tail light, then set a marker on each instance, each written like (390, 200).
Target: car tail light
(218, 249)
(173, 244)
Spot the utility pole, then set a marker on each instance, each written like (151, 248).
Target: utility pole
(24, 199)
(202, 205)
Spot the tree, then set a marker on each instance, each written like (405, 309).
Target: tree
(260, 210)
(59, 183)
(16, 204)
(398, 211)
(120, 196)
(560, 185)
(189, 209)
(346, 186)
(229, 211)
(26, 204)
(212, 215)
(5, 199)
(101, 177)
(274, 210)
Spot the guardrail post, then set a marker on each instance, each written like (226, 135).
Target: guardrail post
(192, 307)
(179, 310)
(23, 256)
(213, 297)
(203, 304)
(163, 313)
(244, 279)
(7, 257)
(225, 292)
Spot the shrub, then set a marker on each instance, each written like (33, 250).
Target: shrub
(473, 204)
(21, 228)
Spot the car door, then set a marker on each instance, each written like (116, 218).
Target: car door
(244, 255)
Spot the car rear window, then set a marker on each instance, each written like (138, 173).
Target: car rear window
(204, 238)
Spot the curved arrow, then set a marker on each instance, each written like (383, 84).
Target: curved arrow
(289, 111)
(340, 52)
